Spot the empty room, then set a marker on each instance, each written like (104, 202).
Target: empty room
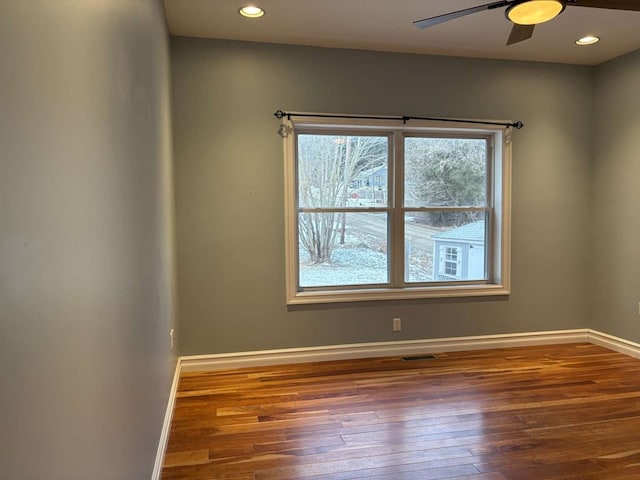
(320, 240)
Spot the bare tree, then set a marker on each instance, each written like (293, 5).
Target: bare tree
(327, 167)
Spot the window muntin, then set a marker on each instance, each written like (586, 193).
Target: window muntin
(363, 186)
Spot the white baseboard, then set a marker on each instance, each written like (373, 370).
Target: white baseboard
(166, 424)
(197, 363)
(616, 344)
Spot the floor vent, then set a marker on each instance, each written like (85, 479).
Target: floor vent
(419, 357)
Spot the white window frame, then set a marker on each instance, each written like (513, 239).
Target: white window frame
(499, 229)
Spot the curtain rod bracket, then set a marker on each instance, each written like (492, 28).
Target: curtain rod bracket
(279, 114)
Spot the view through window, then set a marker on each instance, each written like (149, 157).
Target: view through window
(391, 210)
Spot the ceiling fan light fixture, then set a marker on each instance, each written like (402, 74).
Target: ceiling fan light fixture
(532, 12)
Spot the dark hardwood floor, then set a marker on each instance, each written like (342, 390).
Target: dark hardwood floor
(545, 413)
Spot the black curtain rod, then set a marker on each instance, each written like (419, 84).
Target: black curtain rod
(280, 114)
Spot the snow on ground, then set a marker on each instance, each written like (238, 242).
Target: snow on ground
(351, 266)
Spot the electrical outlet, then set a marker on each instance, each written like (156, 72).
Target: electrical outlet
(397, 324)
(172, 339)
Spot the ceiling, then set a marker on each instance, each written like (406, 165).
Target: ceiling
(386, 25)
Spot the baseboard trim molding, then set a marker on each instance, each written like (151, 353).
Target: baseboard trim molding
(616, 344)
(166, 425)
(196, 363)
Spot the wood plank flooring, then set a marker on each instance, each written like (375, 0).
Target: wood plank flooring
(568, 412)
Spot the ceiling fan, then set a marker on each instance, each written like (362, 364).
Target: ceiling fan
(526, 14)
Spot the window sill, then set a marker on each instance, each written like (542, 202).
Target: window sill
(347, 296)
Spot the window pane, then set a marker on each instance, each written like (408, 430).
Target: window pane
(445, 172)
(445, 246)
(337, 171)
(342, 249)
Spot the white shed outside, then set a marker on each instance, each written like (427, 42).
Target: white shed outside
(458, 253)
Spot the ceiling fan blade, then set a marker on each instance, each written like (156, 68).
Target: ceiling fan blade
(520, 33)
(431, 21)
(630, 5)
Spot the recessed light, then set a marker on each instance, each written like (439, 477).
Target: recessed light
(251, 11)
(587, 40)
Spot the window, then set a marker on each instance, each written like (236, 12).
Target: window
(381, 210)
(449, 261)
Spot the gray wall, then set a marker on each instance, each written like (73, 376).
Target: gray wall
(86, 264)
(229, 188)
(616, 225)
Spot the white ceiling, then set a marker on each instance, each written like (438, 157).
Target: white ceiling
(386, 25)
